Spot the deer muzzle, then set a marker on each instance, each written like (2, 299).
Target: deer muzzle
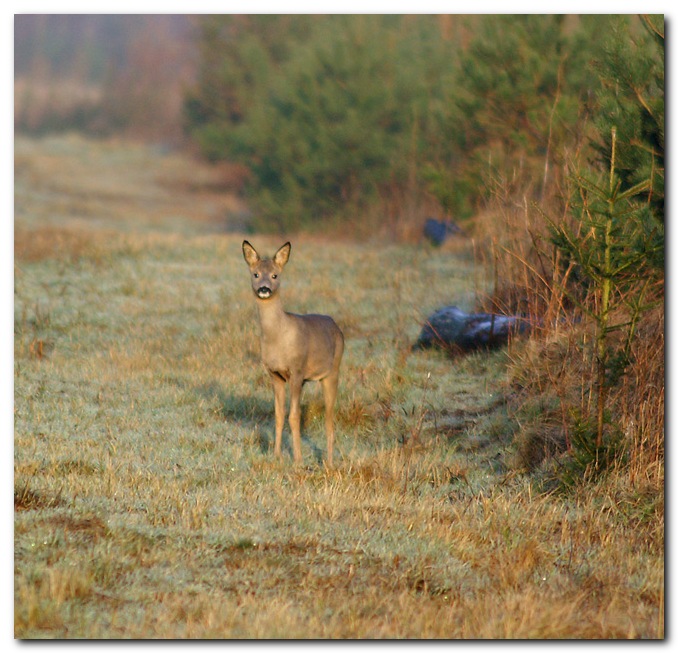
(264, 292)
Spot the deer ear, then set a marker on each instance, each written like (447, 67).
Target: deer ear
(250, 254)
(283, 254)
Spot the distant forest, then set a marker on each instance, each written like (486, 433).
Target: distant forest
(382, 117)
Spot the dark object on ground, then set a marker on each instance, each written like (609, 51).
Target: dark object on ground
(437, 231)
(451, 328)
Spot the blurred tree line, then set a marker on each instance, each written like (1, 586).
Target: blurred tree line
(344, 116)
(364, 120)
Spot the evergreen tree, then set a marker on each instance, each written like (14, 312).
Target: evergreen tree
(632, 101)
(335, 114)
(617, 237)
(523, 93)
(238, 57)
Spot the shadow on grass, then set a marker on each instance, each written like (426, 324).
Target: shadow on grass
(251, 412)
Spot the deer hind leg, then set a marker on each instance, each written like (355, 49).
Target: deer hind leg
(279, 395)
(296, 383)
(329, 385)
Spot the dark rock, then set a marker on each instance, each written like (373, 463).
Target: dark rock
(437, 231)
(449, 327)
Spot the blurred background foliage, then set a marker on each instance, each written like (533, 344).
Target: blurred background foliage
(361, 121)
(102, 75)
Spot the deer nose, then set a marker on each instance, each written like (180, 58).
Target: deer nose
(264, 292)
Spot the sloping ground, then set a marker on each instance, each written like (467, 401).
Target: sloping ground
(147, 503)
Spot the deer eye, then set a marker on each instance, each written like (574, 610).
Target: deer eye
(274, 276)
(256, 275)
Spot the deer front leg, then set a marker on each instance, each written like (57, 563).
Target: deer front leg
(329, 385)
(279, 394)
(295, 416)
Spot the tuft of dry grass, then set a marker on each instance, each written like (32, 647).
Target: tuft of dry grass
(554, 373)
(641, 399)
(148, 503)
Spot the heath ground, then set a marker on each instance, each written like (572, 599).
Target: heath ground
(147, 501)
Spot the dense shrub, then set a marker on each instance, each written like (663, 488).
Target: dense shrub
(341, 114)
(608, 262)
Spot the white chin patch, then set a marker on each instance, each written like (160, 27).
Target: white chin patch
(264, 294)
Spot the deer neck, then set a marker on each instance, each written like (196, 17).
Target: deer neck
(271, 315)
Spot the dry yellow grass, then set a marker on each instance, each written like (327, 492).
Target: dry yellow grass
(148, 504)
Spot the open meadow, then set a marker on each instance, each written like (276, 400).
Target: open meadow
(147, 501)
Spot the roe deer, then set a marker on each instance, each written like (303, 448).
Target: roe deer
(294, 349)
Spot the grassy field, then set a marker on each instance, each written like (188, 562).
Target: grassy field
(147, 502)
